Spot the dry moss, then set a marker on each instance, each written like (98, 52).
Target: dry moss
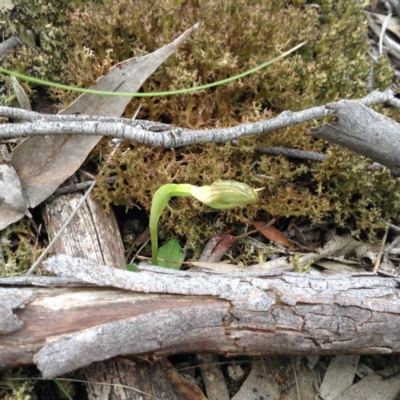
(19, 244)
(234, 36)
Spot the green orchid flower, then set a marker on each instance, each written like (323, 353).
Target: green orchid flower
(221, 195)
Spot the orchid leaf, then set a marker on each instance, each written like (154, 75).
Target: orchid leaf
(172, 253)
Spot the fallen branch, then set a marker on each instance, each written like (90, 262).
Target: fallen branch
(148, 133)
(363, 131)
(162, 312)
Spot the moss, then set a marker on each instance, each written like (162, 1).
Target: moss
(38, 24)
(43, 27)
(15, 382)
(19, 243)
(22, 392)
(333, 65)
(355, 191)
(79, 44)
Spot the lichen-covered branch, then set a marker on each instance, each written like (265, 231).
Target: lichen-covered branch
(158, 135)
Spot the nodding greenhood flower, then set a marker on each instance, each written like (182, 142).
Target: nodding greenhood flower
(225, 194)
(220, 195)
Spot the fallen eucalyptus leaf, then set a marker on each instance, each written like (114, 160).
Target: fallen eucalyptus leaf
(13, 204)
(44, 163)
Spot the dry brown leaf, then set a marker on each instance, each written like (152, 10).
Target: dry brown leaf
(44, 163)
(216, 247)
(272, 233)
(260, 383)
(183, 388)
(267, 380)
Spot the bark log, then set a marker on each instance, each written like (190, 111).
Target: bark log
(159, 312)
(93, 234)
(131, 375)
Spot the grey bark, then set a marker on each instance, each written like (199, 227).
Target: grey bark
(131, 375)
(363, 131)
(160, 312)
(93, 234)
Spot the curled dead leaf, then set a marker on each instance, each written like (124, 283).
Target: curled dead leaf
(272, 233)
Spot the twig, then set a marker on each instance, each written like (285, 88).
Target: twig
(266, 225)
(138, 252)
(379, 256)
(296, 380)
(141, 131)
(389, 248)
(76, 187)
(294, 153)
(56, 237)
(391, 226)
(301, 154)
(117, 142)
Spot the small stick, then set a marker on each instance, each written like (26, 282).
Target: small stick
(295, 378)
(295, 153)
(379, 256)
(76, 187)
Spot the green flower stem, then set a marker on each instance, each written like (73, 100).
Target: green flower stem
(151, 94)
(160, 201)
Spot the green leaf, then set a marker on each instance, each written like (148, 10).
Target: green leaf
(171, 251)
(132, 268)
(61, 387)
